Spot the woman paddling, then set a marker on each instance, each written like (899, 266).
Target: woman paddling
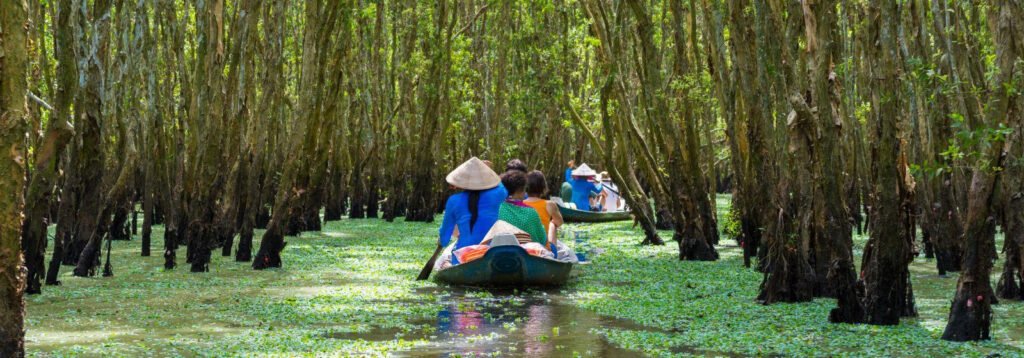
(475, 209)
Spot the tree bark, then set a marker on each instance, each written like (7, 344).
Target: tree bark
(84, 248)
(14, 126)
(888, 294)
(296, 181)
(830, 219)
(40, 194)
(970, 316)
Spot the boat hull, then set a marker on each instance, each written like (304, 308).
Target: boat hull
(580, 216)
(507, 266)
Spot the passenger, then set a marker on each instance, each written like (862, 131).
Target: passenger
(610, 193)
(517, 213)
(537, 188)
(583, 186)
(516, 164)
(475, 209)
(565, 192)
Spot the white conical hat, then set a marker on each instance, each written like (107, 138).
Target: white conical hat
(584, 171)
(473, 175)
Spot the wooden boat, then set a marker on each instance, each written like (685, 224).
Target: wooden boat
(579, 216)
(507, 265)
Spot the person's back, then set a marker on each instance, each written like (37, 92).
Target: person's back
(611, 199)
(516, 212)
(458, 208)
(525, 218)
(565, 192)
(541, 207)
(581, 189)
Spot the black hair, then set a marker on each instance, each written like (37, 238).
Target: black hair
(474, 207)
(514, 181)
(536, 184)
(515, 164)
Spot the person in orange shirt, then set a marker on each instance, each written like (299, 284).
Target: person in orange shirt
(537, 189)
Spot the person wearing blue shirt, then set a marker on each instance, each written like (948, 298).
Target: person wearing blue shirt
(474, 210)
(582, 186)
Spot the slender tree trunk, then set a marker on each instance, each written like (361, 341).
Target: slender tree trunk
(422, 199)
(296, 181)
(788, 274)
(248, 209)
(888, 294)
(84, 249)
(39, 197)
(206, 178)
(47, 158)
(14, 66)
(831, 219)
(970, 316)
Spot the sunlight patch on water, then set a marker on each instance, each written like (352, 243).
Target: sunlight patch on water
(55, 338)
(335, 234)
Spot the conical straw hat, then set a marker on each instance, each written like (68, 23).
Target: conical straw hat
(584, 171)
(473, 175)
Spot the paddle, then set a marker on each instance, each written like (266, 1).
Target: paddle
(429, 267)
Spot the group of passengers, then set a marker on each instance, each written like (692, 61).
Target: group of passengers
(489, 204)
(589, 190)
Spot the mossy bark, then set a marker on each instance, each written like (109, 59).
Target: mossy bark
(14, 65)
(888, 293)
(970, 316)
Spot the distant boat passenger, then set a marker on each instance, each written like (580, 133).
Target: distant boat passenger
(610, 193)
(583, 185)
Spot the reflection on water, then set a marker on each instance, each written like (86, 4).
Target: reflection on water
(532, 323)
(476, 322)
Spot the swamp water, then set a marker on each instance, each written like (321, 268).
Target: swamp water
(478, 322)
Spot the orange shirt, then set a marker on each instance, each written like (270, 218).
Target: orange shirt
(541, 206)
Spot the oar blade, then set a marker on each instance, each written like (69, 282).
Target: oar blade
(429, 267)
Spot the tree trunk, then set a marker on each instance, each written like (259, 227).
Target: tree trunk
(84, 248)
(296, 181)
(831, 222)
(38, 199)
(888, 294)
(970, 317)
(424, 196)
(47, 157)
(249, 208)
(14, 66)
(206, 179)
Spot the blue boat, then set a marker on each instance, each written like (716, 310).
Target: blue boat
(507, 265)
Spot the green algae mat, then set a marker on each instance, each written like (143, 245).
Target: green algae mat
(349, 291)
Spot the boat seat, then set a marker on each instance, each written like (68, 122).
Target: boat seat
(504, 239)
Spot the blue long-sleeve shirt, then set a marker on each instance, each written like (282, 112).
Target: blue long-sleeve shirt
(456, 213)
(581, 190)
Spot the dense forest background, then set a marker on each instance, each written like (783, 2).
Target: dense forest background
(821, 117)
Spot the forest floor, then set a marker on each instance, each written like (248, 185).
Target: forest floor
(349, 290)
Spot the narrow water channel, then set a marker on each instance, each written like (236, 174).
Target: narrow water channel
(528, 323)
(480, 322)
